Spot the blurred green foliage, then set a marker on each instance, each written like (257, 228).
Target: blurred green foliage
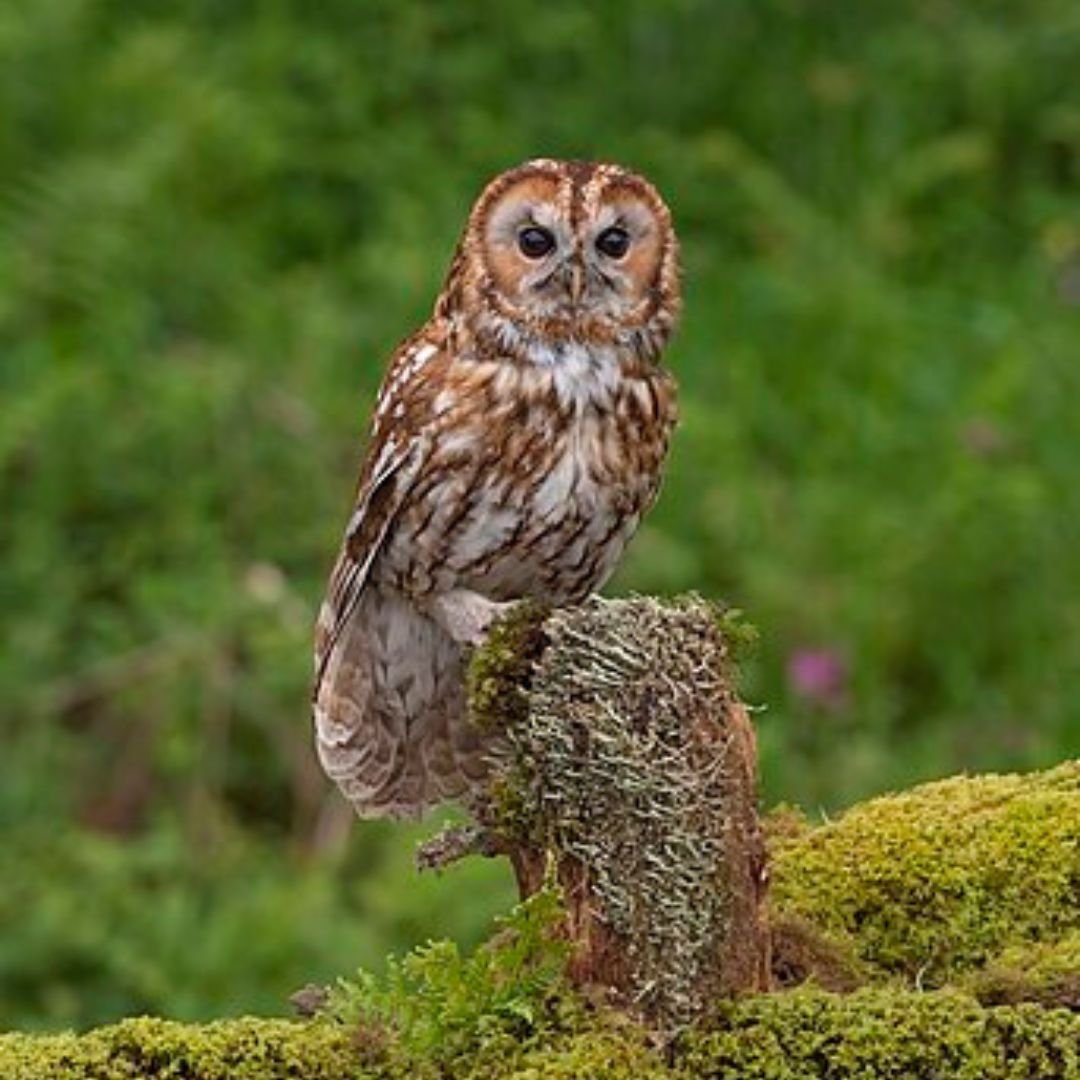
(216, 220)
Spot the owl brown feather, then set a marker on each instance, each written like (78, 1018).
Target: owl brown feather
(517, 440)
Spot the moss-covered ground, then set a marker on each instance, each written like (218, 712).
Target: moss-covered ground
(799, 1035)
(955, 905)
(959, 881)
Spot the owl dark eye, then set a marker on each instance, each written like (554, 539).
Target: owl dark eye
(613, 242)
(535, 242)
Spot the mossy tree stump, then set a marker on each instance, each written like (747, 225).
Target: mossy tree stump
(630, 773)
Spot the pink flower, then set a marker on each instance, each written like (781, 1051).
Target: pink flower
(819, 676)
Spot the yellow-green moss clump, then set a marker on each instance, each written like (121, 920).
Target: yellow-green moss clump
(793, 1036)
(940, 1035)
(1048, 973)
(499, 674)
(933, 883)
(245, 1049)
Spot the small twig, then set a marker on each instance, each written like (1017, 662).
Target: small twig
(309, 1000)
(456, 842)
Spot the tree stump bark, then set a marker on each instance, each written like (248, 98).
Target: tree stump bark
(630, 771)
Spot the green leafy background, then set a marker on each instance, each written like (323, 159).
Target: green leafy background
(216, 220)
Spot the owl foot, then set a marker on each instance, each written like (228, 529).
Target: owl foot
(467, 616)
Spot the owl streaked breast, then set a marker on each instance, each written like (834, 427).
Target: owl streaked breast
(517, 440)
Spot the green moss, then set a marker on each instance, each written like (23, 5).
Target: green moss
(244, 1049)
(742, 637)
(500, 672)
(1048, 974)
(801, 1035)
(597, 1055)
(941, 880)
(801, 953)
(878, 1033)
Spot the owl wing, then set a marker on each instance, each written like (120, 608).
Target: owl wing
(397, 455)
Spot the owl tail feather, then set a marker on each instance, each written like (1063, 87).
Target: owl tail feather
(391, 728)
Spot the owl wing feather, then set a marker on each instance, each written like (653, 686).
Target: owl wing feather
(394, 461)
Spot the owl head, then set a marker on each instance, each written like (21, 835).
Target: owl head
(557, 250)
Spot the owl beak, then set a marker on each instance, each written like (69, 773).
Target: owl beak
(576, 284)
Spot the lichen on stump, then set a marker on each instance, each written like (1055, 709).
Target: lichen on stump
(633, 773)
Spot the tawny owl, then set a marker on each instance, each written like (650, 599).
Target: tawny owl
(517, 440)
